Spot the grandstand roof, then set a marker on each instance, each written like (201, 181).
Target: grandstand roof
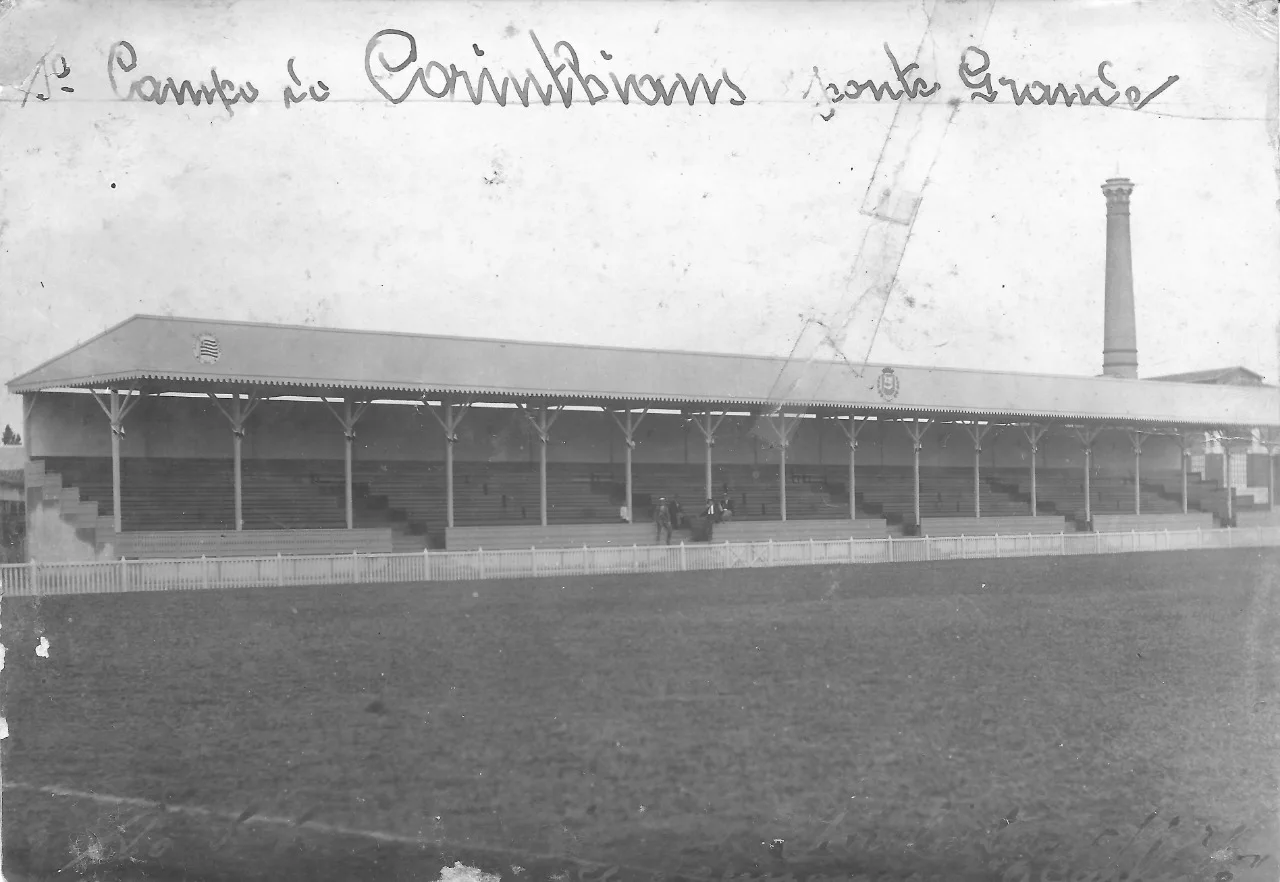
(1227, 376)
(181, 354)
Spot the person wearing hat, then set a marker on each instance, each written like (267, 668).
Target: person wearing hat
(662, 520)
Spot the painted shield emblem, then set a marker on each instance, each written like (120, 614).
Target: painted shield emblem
(206, 349)
(887, 384)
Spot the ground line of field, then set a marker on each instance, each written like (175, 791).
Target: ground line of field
(260, 820)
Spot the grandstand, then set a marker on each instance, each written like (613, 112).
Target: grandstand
(338, 440)
(172, 437)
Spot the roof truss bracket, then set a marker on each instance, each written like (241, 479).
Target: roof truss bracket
(117, 408)
(916, 429)
(852, 427)
(348, 418)
(976, 432)
(542, 420)
(447, 417)
(1086, 435)
(1034, 432)
(240, 409)
(783, 427)
(707, 427)
(629, 427)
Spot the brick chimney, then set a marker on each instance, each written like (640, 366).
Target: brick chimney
(1120, 335)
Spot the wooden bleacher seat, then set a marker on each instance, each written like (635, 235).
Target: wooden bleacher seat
(1260, 517)
(249, 543)
(555, 536)
(1004, 526)
(783, 531)
(1124, 523)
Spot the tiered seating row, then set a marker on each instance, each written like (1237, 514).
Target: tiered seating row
(1003, 526)
(564, 536)
(250, 543)
(1124, 523)
(1063, 492)
(1262, 517)
(408, 497)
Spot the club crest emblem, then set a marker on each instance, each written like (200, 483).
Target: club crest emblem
(887, 384)
(206, 349)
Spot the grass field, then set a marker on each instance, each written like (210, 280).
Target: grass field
(971, 717)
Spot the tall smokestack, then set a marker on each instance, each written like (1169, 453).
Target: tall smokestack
(1120, 335)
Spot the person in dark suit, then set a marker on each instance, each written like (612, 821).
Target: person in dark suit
(662, 520)
(676, 512)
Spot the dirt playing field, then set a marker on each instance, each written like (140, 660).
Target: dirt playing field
(980, 716)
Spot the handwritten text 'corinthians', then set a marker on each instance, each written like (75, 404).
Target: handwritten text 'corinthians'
(393, 69)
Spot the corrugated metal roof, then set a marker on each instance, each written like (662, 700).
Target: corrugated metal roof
(180, 350)
(1217, 375)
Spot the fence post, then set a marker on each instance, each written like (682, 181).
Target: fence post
(770, 557)
(533, 560)
(850, 549)
(426, 565)
(811, 550)
(124, 574)
(997, 544)
(585, 566)
(355, 566)
(279, 569)
(1097, 542)
(1166, 538)
(890, 538)
(928, 548)
(480, 560)
(1199, 537)
(204, 572)
(683, 561)
(1229, 537)
(635, 558)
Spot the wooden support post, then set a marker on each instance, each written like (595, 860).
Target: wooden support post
(783, 430)
(542, 423)
(782, 478)
(350, 437)
(977, 431)
(707, 428)
(851, 428)
(1187, 441)
(628, 428)
(28, 406)
(916, 429)
(449, 420)
(1086, 436)
(237, 413)
(1271, 478)
(1034, 433)
(1226, 480)
(348, 418)
(1136, 437)
(1185, 455)
(117, 407)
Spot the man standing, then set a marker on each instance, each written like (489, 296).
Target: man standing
(662, 520)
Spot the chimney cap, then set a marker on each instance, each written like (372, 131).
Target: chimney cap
(1117, 182)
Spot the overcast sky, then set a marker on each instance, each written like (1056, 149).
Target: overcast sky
(712, 228)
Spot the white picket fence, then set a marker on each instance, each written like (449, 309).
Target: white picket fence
(106, 577)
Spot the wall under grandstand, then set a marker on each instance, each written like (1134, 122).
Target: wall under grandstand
(73, 425)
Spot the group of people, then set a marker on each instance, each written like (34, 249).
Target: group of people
(669, 515)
